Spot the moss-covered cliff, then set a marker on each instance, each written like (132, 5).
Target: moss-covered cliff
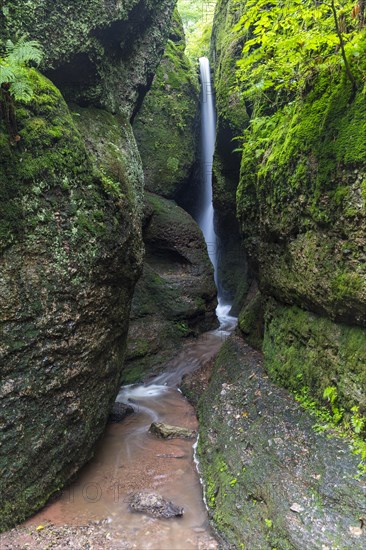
(301, 208)
(166, 126)
(70, 228)
(300, 200)
(176, 295)
(96, 52)
(302, 211)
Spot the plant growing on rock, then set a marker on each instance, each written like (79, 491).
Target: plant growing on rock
(288, 42)
(15, 82)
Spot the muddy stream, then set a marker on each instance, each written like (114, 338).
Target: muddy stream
(130, 459)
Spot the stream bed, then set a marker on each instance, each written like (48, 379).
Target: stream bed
(130, 459)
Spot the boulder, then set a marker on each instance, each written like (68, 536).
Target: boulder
(176, 295)
(71, 253)
(155, 505)
(119, 412)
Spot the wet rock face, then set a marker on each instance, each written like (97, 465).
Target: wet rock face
(176, 295)
(70, 237)
(232, 118)
(97, 52)
(155, 505)
(271, 480)
(166, 126)
(71, 254)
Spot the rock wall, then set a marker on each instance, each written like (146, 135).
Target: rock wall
(166, 127)
(303, 215)
(270, 478)
(70, 227)
(232, 118)
(300, 204)
(176, 296)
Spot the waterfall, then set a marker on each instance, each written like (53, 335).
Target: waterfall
(208, 134)
(206, 215)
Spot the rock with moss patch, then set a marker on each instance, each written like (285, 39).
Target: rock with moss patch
(71, 252)
(176, 295)
(96, 52)
(166, 126)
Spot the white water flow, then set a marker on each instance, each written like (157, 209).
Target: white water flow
(206, 216)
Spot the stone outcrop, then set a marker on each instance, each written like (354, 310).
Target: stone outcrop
(70, 228)
(166, 126)
(101, 53)
(271, 480)
(176, 295)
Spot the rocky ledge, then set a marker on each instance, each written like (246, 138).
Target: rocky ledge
(272, 481)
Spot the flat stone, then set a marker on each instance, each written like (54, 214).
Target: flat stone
(154, 505)
(166, 431)
(356, 531)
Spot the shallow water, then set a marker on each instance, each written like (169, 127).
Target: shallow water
(130, 459)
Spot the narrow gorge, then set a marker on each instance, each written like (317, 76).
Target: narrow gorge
(182, 275)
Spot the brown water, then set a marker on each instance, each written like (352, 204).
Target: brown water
(130, 459)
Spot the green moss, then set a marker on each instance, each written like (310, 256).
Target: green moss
(302, 349)
(165, 127)
(251, 320)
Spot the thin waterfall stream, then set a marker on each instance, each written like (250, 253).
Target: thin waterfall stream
(129, 458)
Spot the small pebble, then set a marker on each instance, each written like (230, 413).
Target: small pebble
(296, 508)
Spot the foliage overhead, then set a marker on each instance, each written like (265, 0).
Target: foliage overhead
(197, 17)
(288, 42)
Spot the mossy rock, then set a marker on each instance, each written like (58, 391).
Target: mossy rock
(166, 126)
(98, 53)
(71, 252)
(304, 350)
(176, 295)
(251, 317)
(308, 186)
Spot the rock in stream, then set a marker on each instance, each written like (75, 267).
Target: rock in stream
(155, 505)
(169, 432)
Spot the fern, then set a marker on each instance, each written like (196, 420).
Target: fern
(15, 83)
(14, 78)
(24, 52)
